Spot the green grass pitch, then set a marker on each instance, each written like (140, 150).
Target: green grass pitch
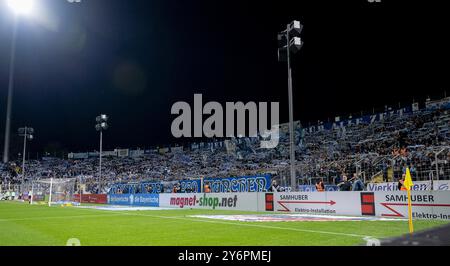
(40, 225)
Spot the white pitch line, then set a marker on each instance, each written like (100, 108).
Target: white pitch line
(57, 217)
(250, 225)
(240, 224)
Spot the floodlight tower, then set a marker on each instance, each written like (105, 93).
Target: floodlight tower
(27, 134)
(100, 126)
(19, 8)
(289, 42)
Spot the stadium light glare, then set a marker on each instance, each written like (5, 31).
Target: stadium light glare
(21, 7)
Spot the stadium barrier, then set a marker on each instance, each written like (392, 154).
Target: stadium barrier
(220, 201)
(433, 205)
(91, 198)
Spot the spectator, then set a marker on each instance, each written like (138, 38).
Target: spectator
(358, 185)
(345, 185)
(207, 188)
(400, 184)
(274, 187)
(320, 187)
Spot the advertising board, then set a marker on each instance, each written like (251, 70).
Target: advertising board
(425, 204)
(318, 202)
(434, 205)
(150, 200)
(91, 198)
(418, 186)
(257, 183)
(220, 201)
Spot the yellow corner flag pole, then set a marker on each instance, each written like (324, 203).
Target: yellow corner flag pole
(408, 184)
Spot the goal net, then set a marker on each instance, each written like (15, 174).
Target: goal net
(53, 191)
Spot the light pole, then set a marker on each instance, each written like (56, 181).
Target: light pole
(290, 42)
(27, 134)
(100, 126)
(22, 7)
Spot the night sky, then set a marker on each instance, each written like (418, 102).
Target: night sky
(133, 59)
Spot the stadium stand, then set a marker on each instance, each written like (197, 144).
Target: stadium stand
(374, 148)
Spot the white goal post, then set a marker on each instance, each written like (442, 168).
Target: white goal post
(53, 191)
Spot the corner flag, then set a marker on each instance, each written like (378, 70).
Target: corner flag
(408, 184)
(408, 181)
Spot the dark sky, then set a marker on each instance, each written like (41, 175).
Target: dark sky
(133, 59)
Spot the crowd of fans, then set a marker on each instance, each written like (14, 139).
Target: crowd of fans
(365, 151)
(383, 148)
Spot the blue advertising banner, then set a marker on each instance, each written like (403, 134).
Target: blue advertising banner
(136, 188)
(151, 187)
(259, 183)
(119, 199)
(190, 186)
(149, 200)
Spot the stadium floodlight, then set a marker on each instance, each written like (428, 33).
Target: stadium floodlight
(27, 134)
(295, 45)
(289, 42)
(21, 7)
(100, 126)
(101, 118)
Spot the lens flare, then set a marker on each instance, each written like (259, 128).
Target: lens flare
(22, 7)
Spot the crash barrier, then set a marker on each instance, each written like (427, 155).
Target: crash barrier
(434, 205)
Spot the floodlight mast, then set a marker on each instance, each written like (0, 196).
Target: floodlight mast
(292, 41)
(27, 134)
(100, 126)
